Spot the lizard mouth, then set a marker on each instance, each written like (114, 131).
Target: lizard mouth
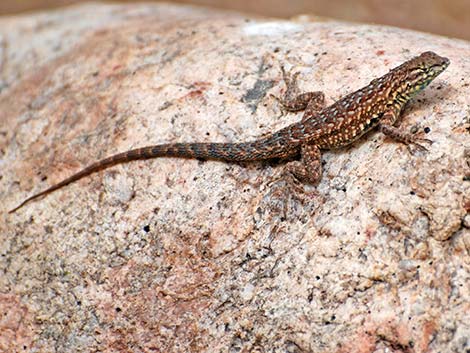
(435, 70)
(441, 66)
(438, 68)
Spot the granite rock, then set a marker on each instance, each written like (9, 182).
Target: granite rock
(174, 255)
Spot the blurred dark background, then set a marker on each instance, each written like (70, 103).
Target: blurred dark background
(445, 17)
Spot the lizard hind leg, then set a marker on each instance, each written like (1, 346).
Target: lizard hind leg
(294, 101)
(287, 195)
(309, 168)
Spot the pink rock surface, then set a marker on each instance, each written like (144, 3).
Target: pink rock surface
(176, 255)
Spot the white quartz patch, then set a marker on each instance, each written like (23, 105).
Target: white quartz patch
(271, 28)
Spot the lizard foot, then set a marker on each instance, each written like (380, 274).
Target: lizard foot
(418, 143)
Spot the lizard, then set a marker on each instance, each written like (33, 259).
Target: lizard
(377, 105)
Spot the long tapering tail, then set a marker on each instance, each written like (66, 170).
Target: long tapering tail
(267, 148)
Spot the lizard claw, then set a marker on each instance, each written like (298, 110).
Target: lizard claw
(289, 78)
(418, 143)
(420, 147)
(292, 182)
(281, 104)
(276, 98)
(427, 141)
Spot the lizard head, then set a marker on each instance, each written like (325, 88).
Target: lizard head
(422, 69)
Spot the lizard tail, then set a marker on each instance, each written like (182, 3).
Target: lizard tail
(246, 151)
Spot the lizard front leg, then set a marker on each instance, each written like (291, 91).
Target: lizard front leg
(294, 101)
(387, 128)
(309, 168)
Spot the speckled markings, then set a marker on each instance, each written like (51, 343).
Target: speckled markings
(376, 105)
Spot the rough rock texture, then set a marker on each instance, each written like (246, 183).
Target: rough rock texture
(188, 256)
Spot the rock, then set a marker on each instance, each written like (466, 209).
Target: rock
(179, 255)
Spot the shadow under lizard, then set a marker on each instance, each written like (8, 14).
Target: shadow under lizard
(378, 104)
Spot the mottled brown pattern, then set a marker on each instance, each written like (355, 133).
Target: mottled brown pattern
(377, 104)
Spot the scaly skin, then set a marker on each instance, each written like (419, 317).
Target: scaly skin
(376, 105)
